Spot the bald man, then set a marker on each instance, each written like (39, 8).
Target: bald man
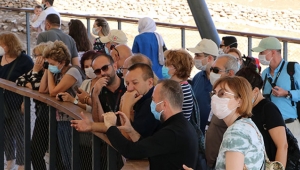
(120, 53)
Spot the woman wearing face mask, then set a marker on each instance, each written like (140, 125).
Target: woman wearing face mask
(178, 67)
(267, 118)
(13, 63)
(32, 79)
(78, 32)
(100, 29)
(60, 78)
(242, 144)
(87, 85)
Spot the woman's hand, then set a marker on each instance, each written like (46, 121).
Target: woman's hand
(38, 65)
(66, 97)
(82, 95)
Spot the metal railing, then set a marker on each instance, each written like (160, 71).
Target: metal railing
(54, 105)
(182, 28)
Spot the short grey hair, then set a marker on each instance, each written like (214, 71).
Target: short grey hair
(232, 62)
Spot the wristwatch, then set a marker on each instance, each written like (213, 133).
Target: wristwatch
(289, 95)
(75, 102)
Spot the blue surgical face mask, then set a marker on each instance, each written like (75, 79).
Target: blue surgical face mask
(156, 114)
(53, 69)
(107, 51)
(165, 72)
(239, 65)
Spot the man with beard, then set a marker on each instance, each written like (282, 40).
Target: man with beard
(106, 96)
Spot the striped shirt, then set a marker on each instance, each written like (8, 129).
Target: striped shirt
(188, 103)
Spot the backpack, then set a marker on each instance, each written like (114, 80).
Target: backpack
(291, 72)
(293, 154)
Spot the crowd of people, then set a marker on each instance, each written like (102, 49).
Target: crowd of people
(144, 102)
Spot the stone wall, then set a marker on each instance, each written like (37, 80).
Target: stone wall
(174, 11)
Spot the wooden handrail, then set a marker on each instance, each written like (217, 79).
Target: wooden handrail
(178, 26)
(66, 107)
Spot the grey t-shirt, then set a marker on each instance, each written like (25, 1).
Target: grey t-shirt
(57, 34)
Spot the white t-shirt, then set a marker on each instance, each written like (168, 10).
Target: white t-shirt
(40, 22)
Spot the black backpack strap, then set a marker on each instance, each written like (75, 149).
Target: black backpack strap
(291, 72)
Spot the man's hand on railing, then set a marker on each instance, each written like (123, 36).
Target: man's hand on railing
(110, 119)
(83, 125)
(186, 168)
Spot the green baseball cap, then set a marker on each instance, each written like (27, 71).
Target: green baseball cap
(269, 43)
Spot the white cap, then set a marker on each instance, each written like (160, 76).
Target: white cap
(206, 46)
(116, 36)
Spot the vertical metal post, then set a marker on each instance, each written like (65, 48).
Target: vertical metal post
(27, 134)
(52, 137)
(28, 32)
(119, 25)
(96, 152)
(1, 128)
(183, 38)
(249, 46)
(75, 150)
(285, 50)
(88, 27)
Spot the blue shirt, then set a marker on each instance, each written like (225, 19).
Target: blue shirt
(202, 87)
(146, 43)
(284, 82)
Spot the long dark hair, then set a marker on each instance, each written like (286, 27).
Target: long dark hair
(79, 33)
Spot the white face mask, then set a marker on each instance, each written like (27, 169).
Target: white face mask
(89, 72)
(213, 77)
(199, 65)
(94, 31)
(263, 60)
(2, 52)
(221, 52)
(219, 107)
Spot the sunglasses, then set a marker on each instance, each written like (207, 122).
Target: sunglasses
(216, 70)
(114, 47)
(221, 93)
(104, 68)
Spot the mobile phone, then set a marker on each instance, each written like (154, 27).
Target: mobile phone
(60, 97)
(45, 65)
(77, 90)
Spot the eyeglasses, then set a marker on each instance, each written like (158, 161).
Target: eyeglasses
(114, 47)
(216, 70)
(104, 68)
(122, 69)
(220, 93)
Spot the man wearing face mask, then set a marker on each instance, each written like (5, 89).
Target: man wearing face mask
(277, 82)
(205, 54)
(225, 65)
(115, 37)
(48, 9)
(227, 43)
(173, 145)
(53, 33)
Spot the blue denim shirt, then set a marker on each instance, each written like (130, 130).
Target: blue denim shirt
(284, 82)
